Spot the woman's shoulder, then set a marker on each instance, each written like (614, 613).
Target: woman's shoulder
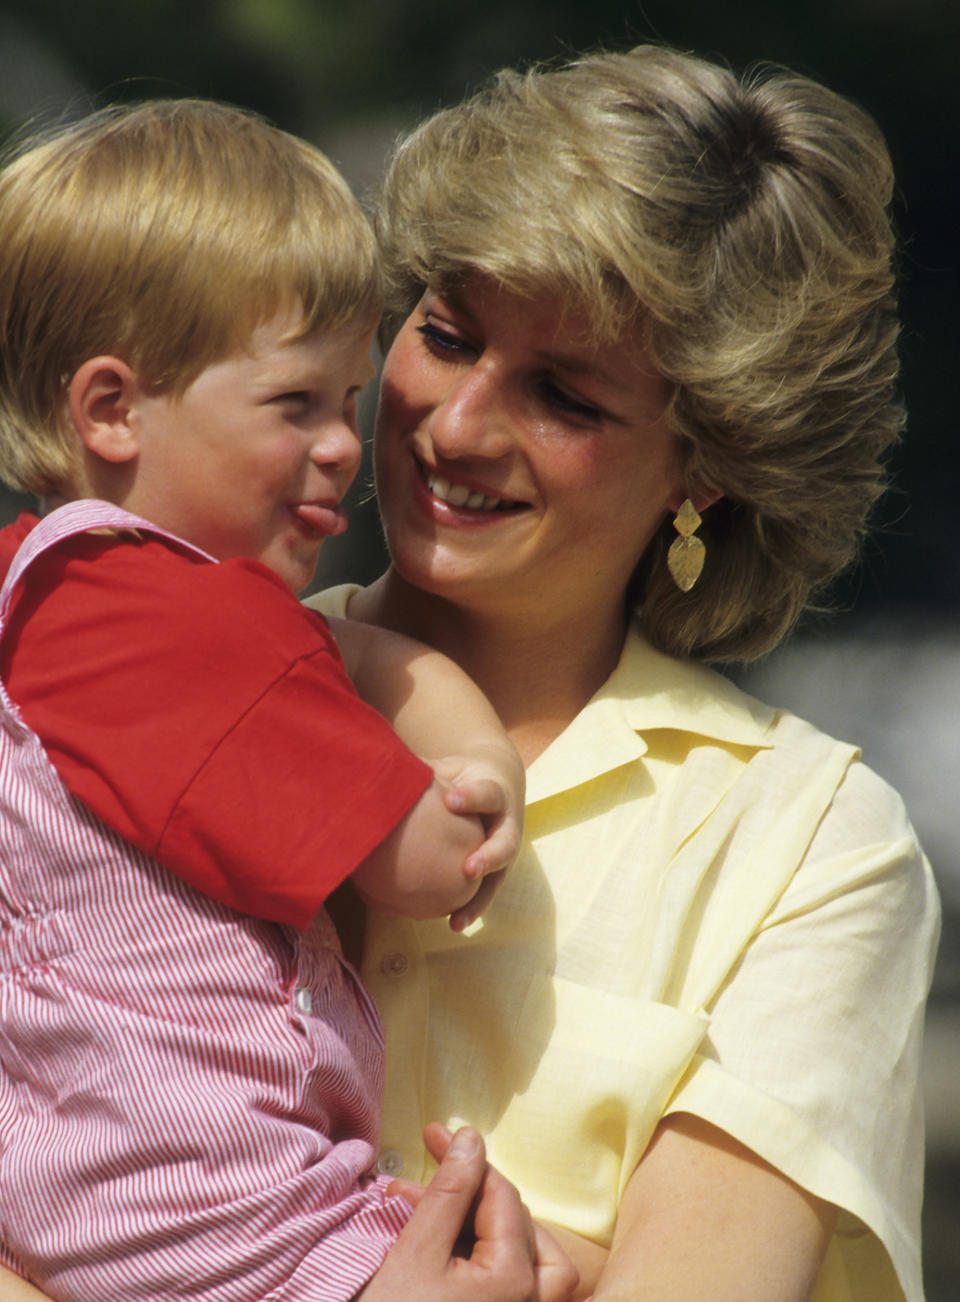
(662, 692)
(332, 602)
(785, 758)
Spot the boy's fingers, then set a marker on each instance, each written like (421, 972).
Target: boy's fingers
(469, 912)
(498, 851)
(475, 796)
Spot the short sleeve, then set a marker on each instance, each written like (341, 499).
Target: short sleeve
(303, 786)
(204, 715)
(813, 1054)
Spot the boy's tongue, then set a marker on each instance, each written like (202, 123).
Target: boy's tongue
(327, 520)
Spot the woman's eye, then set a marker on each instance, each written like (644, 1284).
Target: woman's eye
(440, 340)
(563, 401)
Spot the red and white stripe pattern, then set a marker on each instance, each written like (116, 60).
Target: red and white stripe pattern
(189, 1097)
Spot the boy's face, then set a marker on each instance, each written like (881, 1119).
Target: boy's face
(255, 457)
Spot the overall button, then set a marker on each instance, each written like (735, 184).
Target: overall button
(389, 1162)
(304, 1000)
(394, 964)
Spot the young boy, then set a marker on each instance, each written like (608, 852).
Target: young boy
(189, 1073)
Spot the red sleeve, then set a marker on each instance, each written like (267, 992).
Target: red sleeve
(201, 712)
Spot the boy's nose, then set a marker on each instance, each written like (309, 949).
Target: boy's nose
(338, 444)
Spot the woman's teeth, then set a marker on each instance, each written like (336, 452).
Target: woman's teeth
(460, 495)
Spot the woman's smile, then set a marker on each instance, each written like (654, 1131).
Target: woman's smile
(514, 457)
(464, 498)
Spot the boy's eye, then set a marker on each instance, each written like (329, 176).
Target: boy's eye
(297, 397)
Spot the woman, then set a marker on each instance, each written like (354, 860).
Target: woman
(635, 292)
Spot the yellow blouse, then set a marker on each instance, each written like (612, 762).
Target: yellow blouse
(718, 910)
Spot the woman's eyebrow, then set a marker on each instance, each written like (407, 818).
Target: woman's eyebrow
(451, 294)
(579, 366)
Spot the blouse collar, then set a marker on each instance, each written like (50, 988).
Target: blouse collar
(648, 690)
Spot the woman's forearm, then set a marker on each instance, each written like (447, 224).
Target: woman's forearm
(703, 1217)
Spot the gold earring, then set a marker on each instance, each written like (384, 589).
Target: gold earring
(686, 555)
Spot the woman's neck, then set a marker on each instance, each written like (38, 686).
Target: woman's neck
(537, 676)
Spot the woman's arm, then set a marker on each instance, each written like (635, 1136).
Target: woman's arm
(704, 1217)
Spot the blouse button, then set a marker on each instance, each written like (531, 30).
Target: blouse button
(304, 1000)
(390, 1162)
(394, 964)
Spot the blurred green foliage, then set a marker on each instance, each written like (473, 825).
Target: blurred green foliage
(318, 66)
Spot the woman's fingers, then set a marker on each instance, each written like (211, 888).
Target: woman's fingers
(556, 1275)
(445, 1204)
(509, 1245)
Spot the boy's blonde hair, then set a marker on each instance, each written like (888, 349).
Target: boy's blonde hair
(163, 234)
(740, 228)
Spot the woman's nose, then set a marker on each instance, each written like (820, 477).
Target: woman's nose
(473, 419)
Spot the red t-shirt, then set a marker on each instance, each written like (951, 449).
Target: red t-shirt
(204, 714)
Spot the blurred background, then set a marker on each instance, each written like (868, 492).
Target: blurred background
(884, 670)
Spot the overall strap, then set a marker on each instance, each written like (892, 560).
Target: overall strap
(73, 518)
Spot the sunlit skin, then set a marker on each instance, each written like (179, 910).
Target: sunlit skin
(521, 468)
(556, 466)
(568, 448)
(254, 458)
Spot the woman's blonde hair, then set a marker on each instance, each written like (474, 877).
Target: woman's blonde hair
(741, 228)
(163, 233)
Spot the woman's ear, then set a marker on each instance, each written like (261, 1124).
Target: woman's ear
(101, 398)
(701, 500)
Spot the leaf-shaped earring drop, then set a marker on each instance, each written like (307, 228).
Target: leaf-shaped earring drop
(686, 555)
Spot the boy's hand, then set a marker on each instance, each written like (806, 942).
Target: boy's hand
(492, 789)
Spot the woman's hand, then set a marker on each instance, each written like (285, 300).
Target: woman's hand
(510, 1259)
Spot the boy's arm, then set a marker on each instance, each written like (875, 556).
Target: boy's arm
(436, 708)
(444, 718)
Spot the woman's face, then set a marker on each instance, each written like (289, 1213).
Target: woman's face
(519, 466)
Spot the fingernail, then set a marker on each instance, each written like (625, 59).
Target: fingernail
(465, 1143)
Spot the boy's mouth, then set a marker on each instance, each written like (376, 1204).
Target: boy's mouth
(326, 520)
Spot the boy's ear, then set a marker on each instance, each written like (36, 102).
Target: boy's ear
(102, 396)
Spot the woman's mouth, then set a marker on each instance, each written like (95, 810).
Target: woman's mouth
(464, 497)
